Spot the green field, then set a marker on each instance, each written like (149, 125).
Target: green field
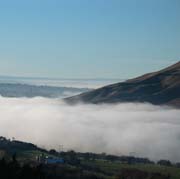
(109, 169)
(105, 168)
(115, 167)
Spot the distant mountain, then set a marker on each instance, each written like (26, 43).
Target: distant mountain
(24, 90)
(160, 88)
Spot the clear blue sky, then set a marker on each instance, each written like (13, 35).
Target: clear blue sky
(88, 38)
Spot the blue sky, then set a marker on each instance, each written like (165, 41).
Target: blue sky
(88, 38)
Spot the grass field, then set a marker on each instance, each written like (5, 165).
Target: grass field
(109, 169)
(115, 167)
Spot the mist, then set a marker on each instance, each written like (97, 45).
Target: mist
(122, 129)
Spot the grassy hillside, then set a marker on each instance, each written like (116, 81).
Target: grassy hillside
(81, 165)
(113, 168)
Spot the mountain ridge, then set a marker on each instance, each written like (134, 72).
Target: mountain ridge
(28, 90)
(160, 88)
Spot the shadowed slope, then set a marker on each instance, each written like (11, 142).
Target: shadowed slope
(161, 87)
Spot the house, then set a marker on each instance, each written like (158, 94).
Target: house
(54, 161)
(50, 160)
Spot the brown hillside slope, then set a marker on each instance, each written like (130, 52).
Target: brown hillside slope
(160, 88)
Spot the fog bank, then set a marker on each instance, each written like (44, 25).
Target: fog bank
(144, 129)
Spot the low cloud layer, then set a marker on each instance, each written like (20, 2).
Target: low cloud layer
(144, 129)
(74, 83)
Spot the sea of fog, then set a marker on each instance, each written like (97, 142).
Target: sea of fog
(144, 129)
(122, 129)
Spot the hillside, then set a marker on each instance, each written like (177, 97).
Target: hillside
(21, 160)
(159, 88)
